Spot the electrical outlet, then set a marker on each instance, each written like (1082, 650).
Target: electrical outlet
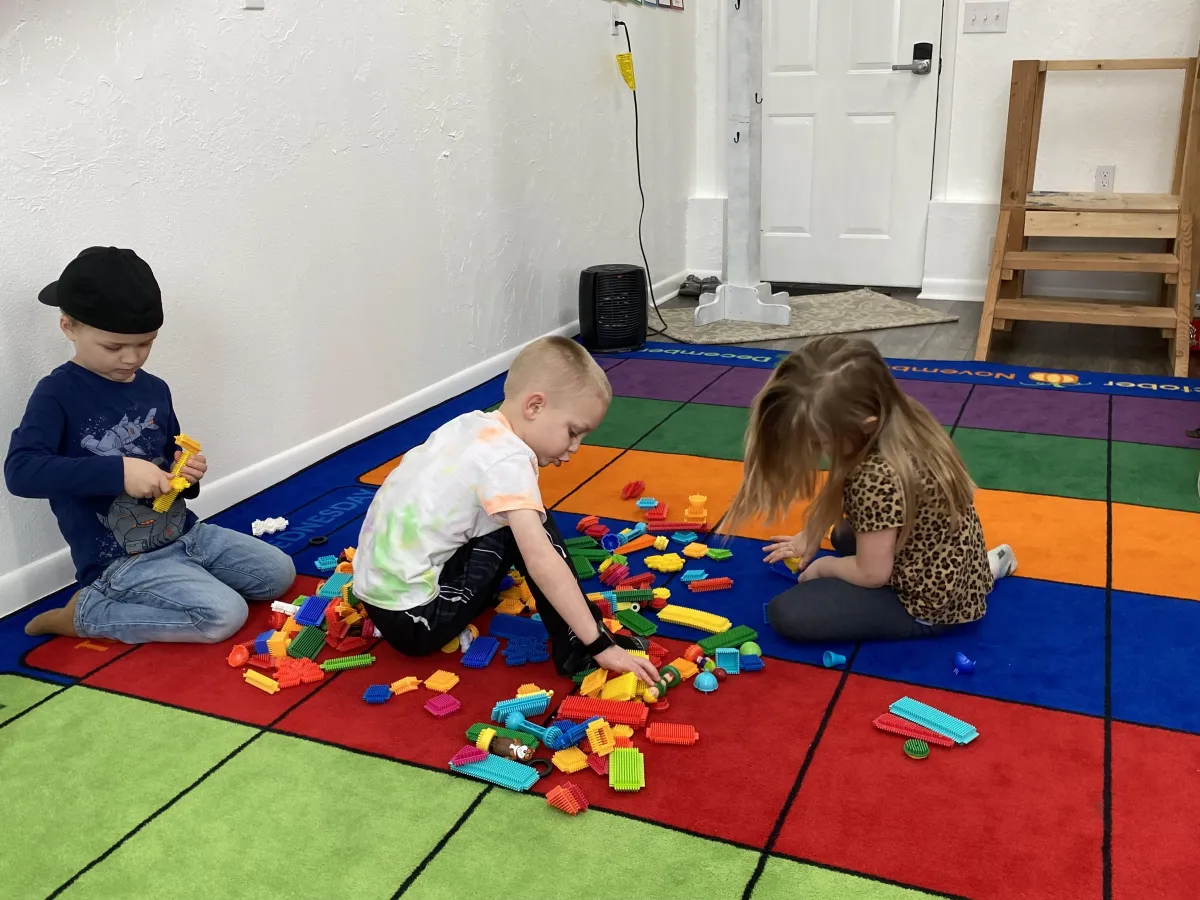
(985, 18)
(614, 16)
(1106, 177)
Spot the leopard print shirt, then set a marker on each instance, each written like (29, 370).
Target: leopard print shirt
(942, 574)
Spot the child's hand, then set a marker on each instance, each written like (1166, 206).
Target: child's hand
(145, 480)
(784, 547)
(617, 659)
(195, 467)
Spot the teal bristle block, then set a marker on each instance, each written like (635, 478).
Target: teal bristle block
(935, 720)
(528, 705)
(505, 772)
(729, 659)
(334, 584)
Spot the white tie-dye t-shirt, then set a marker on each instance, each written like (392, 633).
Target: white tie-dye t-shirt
(458, 485)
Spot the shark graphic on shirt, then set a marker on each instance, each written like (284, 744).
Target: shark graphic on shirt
(121, 439)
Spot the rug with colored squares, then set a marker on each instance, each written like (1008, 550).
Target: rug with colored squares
(156, 771)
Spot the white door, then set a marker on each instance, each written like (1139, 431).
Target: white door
(847, 143)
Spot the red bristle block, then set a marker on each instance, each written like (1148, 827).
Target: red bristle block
(672, 733)
(633, 490)
(710, 584)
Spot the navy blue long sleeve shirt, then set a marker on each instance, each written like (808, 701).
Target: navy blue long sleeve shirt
(70, 449)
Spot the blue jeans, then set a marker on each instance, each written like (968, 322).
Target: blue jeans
(189, 591)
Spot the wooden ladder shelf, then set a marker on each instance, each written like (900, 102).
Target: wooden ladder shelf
(1025, 214)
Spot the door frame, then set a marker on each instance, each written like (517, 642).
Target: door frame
(947, 47)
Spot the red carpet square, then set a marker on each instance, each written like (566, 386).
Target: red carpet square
(1156, 804)
(196, 676)
(1016, 813)
(401, 728)
(74, 656)
(732, 783)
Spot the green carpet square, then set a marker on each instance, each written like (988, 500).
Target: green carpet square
(18, 693)
(514, 844)
(84, 769)
(1149, 475)
(288, 818)
(784, 879)
(718, 432)
(628, 419)
(1035, 463)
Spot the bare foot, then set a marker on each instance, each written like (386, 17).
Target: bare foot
(56, 621)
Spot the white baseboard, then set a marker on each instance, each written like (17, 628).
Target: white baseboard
(44, 576)
(952, 289)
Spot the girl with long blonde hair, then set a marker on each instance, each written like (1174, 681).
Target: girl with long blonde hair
(911, 559)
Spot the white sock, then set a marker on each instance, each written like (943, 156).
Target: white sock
(1002, 561)
(465, 639)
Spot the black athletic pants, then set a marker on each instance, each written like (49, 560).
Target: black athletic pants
(468, 586)
(829, 610)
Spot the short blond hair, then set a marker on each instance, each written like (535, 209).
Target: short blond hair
(558, 366)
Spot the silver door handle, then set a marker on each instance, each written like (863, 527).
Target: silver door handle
(917, 67)
(922, 63)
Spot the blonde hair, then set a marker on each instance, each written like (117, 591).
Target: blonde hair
(557, 365)
(836, 398)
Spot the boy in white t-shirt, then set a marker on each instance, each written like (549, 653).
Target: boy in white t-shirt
(464, 508)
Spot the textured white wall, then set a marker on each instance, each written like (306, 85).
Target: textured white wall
(343, 201)
(1129, 119)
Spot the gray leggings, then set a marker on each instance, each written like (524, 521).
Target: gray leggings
(829, 610)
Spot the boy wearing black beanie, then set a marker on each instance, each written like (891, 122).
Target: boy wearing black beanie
(96, 440)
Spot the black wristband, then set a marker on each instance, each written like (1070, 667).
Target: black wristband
(602, 642)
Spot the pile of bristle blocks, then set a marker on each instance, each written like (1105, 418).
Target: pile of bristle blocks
(286, 654)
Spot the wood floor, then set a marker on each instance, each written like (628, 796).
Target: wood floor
(1093, 348)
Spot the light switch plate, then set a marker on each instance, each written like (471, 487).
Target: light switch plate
(985, 18)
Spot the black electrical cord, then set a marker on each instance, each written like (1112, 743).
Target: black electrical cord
(637, 151)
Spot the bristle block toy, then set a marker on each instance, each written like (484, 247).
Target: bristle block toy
(893, 724)
(510, 627)
(751, 662)
(719, 553)
(734, 637)
(261, 681)
(601, 738)
(570, 760)
(528, 705)
(612, 711)
(567, 797)
(672, 733)
(633, 490)
(313, 611)
(326, 563)
(583, 569)
(308, 643)
(935, 720)
(442, 705)
(636, 622)
(332, 588)
(729, 659)
(710, 584)
(500, 771)
(468, 754)
(377, 693)
(583, 541)
(347, 662)
(626, 769)
(441, 681)
(480, 653)
(694, 618)
(187, 449)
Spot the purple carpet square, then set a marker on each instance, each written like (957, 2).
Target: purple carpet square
(654, 380)
(1141, 420)
(737, 387)
(607, 362)
(1037, 411)
(942, 398)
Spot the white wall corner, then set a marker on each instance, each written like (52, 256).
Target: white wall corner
(705, 248)
(958, 249)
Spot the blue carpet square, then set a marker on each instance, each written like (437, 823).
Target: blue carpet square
(1041, 642)
(1154, 641)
